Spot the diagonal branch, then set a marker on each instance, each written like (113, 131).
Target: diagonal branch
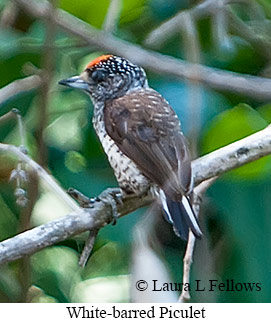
(12, 89)
(203, 10)
(251, 86)
(214, 164)
(232, 156)
(172, 26)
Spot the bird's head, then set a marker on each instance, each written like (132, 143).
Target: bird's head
(108, 77)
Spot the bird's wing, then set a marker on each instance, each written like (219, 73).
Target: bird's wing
(147, 130)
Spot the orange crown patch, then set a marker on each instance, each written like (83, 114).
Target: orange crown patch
(98, 60)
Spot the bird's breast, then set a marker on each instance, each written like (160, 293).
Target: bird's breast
(129, 177)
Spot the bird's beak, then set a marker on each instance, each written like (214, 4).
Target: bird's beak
(75, 82)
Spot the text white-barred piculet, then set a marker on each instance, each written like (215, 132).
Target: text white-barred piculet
(142, 137)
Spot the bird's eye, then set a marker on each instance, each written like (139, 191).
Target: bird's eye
(99, 75)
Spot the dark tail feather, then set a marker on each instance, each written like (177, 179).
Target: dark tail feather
(182, 216)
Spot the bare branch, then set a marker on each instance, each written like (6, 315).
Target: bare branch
(173, 25)
(9, 116)
(232, 156)
(112, 16)
(188, 257)
(58, 230)
(262, 45)
(213, 164)
(18, 86)
(8, 15)
(21, 127)
(251, 86)
(205, 9)
(48, 63)
(187, 262)
(88, 247)
(192, 54)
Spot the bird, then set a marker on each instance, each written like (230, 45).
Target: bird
(141, 136)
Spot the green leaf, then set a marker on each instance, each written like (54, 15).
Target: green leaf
(55, 270)
(94, 12)
(266, 6)
(131, 10)
(265, 112)
(8, 221)
(75, 162)
(232, 125)
(91, 11)
(66, 108)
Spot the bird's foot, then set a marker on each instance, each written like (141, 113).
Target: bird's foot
(112, 197)
(83, 200)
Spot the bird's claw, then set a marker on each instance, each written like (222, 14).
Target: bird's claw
(83, 200)
(112, 197)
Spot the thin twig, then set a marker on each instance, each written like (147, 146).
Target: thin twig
(192, 53)
(88, 247)
(85, 202)
(26, 84)
(205, 9)
(8, 15)
(169, 28)
(20, 126)
(261, 44)
(48, 62)
(8, 116)
(188, 257)
(112, 16)
(220, 31)
(187, 262)
(251, 86)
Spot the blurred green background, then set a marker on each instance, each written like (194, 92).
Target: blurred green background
(236, 211)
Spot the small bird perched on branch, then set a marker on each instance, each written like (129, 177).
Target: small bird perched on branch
(142, 137)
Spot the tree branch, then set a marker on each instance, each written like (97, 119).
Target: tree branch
(251, 86)
(261, 45)
(188, 257)
(112, 16)
(214, 164)
(48, 60)
(26, 84)
(232, 156)
(60, 229)
(169, 28)
(205, 9)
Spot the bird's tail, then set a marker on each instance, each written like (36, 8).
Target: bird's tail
(181, 215)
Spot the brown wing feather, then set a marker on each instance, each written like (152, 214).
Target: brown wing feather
(147, 130)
